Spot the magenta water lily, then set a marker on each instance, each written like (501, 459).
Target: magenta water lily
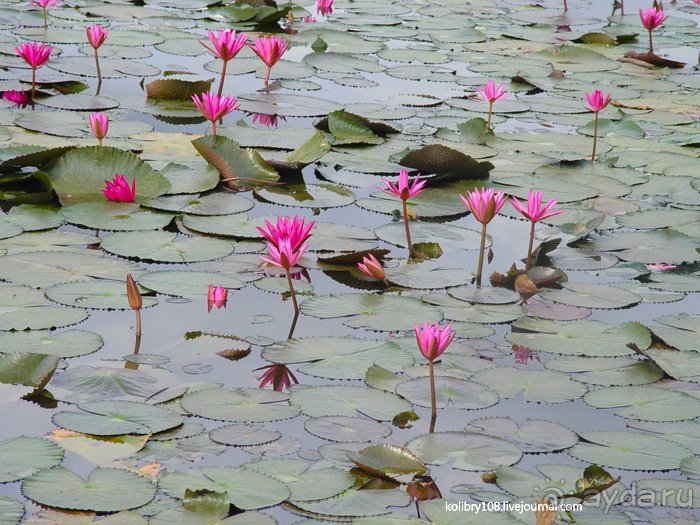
(491, 94)
(35, 55)
(96, 36)
(535, 212)
(484, 205)
(432, 342)
(324, 7)
(214, 107)
(373, 268)
(225, 45)
(270, 49)
(597, 102)
(99, 122)
(217, 296)
(404, 192)
(118, 190)
(652, 18)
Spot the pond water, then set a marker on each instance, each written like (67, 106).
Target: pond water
(578, 393)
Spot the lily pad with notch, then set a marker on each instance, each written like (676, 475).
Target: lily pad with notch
(608, 371)
(247, 405)
(645, 403)
(320, 401)
(446, 163)
(543, 386)
(99, 295)
(533, 436)
(71, 343)
(346, 429)
(457, 310)
(212, 204)
(184, 283)
(164, 247)
(244, 435)
(428, 232)
(464, 395)
(307, 195)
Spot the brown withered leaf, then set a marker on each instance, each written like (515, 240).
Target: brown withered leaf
(655, 60)
(545, 513)
(489, 477)
(543, 276)
(525, 287)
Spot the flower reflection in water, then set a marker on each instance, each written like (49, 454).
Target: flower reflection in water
(279, 376)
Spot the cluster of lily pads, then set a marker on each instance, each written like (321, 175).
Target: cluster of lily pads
(571, 372)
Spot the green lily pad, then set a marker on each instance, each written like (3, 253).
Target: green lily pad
(54, 240)
(163, 247)
(350, 129)
(116, 418)
(531, 436)
(645, 402)
(181, 283)
(304, 484)
(23, 456)
(70, 124)
(464, 395)
(434, 202)
(285, 105)
(27, 369)
(354, 503)
(106, 490)
(679, 365)
(372, 312)
(484, 294)
(608, 371)
(629, 451)
(543, 386)
(110, 67)
(115, 216)
(684, 331)
(651, 247)
(686, 433)
(320, 401)
(670, 493)
(186, 449)
(72, 343)
(184, 179)
(11, 511)
(80, 175)
(307, 195)
(213, 204)
(94, 294)
(590, 295)
(249, 405)
(387, 461)
(457, 310)
(346, 429)
(244, 435)
(583, 337)
(426, 274)
(338, 358)
(464, 450)
(444, 235)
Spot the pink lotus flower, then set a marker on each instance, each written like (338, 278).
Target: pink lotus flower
(490, 94)
(35, 55)
(403, 192)
(484, 204)
(651, 19)
(46, 4)
(96, 35)
(267, 120)
(661, 266)
(324, 7)
(119, 191)
(18, 98)
(596, 101)
(279, 376)
(216, 297)
(535, 212)
(226, 45)
(270, 49)
(214, 107)
(99, 122)
(431, 341)
(292, 230)
(313, 19)
(284, 255)
(372, 267)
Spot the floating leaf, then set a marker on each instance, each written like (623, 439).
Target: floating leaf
(446, 163)
(532, 435)
(322, 401)
(23, 456)
(164, 247)
(350, 129)
(544, 386)
(307, 195)
(244, 435)
(610, 371)
(462, 394)
(591, 295)
(427, 232)
(94, 294)
(71, 343)
(346, 429)
(115, 216)
(31, 370)
(387, 461)
(426, 274)
(242, 404)
(645, 402)
(178, 88)
(189, 284)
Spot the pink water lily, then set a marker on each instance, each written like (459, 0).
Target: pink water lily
(278, 376)
(661, 266)
(225, 45)
(46, 4)
(491, 94)
(214, 107)
(119, 190)
(99, 122)
(373, 268)
(35, 55)
(432, 342)
(404, 192)
(484, 205)
(651, 19)
(283, 254)
(324, 7)
(287, 229)
(18, 98)
(597, 102)
(96, 36)
(270, 49)
(216, 297)
(534, 212)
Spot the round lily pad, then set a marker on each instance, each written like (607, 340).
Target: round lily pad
(106, 490)
(189, 284)
(532, 435)
(670, 493)
(457, 310)
(11, 510)
(462, 394)
(164, 247)
(94, 294)
(307, 195)
(214, 204)
(23, 456)
(281, 285)
(426, 274)
(544, 386)
(248, 405)
(339, 358)
(319, 401)
(115, 216)
(645, 402)
(372, 312)
(591, 295)
(444, 235)
(464, 450)
(71, 343)
(484, 294)
(244, 435)
(346, 429)
(609, 371)
(629, 451)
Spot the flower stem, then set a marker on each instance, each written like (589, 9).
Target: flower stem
(566, 7)
(488, 124)
(100, 142)
(408, 233)
(595, 136)
(33, 85)
(213, 127)
(529, 250)
(45, 24)
(99, 73)
(138, 323)
(223, 75)
(267, 77)
(651, 46)
(433, 413)
(481, 255)
(291, 289)
(294, 324)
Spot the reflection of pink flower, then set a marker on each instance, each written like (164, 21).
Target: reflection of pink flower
(324, 7)
(431, 341)
(661, 266)
(46, 4)
(403, 192)
(523, 355)
(119, 191)
(18, 98)
(279, 376)
(535, 211)
(483, 204)
(216, 297)
(312, 19)
(267, 120)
